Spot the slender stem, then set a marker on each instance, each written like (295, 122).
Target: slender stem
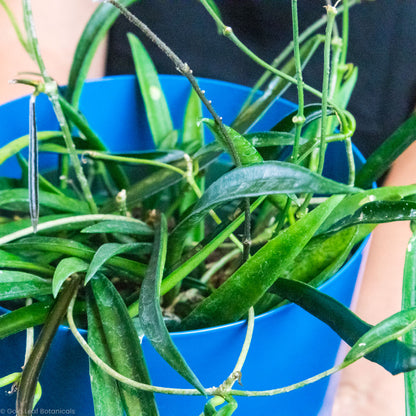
(219, 265)
(113, 373)
(64, 221)
(247, 341)
(345, 30)
(123, 159)
(289, 48)
(51, 89)
(299, 120)
(15, 25)
(344, 115)
(332, 12)
(186, 71)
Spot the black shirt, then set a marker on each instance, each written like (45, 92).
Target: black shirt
(382, 44)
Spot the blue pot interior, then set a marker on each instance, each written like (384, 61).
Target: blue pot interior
(277, 356)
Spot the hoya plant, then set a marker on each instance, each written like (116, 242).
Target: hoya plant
(217, 223)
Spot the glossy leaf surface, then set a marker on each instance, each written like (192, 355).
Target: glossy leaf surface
(124, 226)
(108, 251)
(18, 199)
(65, 269)
(393, 355)
(251, 281)
(124, 347)
(105, 389)
(378, 212)
(16, 285)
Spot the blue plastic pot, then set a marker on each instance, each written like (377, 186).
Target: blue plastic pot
(289, 345)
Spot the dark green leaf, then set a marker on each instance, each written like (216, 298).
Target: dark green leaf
(123, 226)
(251, 281)
(105, 389)
(263, 179)
(106, 252)
(16, 285)
(352, 203)
(124, 347)
(28, 382)
(394, 356)
(157, 110)
(23, 318)
(246, 152)
(75, 249)
(409, 301)
(18, 199)
(66, 268)
(376, 213)
(150, 313)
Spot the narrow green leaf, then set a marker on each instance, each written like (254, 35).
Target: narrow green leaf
(18, 199)
(15, 146)
(352, 203)
(191, 263)
(263, 179)
(246, 152)
(193, 131)
(105, 390)
(123, 226)
(23, 318)
(124, 347)
(106, 252)
(33, 171)
(94, 32)
(389, 329)
(378, 212)
(317, 255)
(409, 301)
(65, 269)
(382, 158)
(9, 379)
(28, 386)
(251, 281)
(16, 284)
(72, 248)
(150, 313)
(157, 110)
(395, 356)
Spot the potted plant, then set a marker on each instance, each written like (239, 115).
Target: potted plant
(111, 234)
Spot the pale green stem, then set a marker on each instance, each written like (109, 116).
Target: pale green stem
(299, 120)
(332, 12)
(64, 221)
(134, 160)
(15, 25)
(344, 115)
(51, 89)
(289, 48)
(219, 265)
